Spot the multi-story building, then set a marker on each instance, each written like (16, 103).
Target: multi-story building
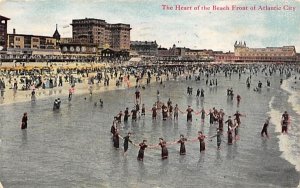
(198, 54)
(242, 53)
(3, 33)
(186, 54)
(120, 36)
(101, 33)
(146, 48)
(26, 44)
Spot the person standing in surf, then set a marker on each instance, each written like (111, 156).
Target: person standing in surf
(126, 115)
(237, 117)
(189, 116)
(285, 120)
(142, 146)
(203, 113)
(219, 139)
(116, 139)
(24, 121)
(201, 138)
(126, 142)
(238, 99)
(164, 149)
(154, 111)
(265, 128)
(181, 141)
(176, 110)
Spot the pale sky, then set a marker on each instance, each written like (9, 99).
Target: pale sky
(217, 30)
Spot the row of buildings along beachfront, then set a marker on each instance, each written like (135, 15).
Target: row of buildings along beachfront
(96, 39)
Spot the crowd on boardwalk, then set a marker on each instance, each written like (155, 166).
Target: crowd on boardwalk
(44, 58)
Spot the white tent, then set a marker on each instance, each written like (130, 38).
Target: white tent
(135, 59)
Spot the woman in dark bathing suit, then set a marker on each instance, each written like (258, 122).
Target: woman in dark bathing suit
(164, 150)
(142, 146)
(176, 109)
(221, 119)
(143, 110)
(126, 115)
(201, 138)
(189, 116)
(154, 111)
(116, 139)
(126, 142)
(181, 141)
(164, 112)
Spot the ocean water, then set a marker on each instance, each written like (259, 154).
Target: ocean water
(72, 147)
(289, 144)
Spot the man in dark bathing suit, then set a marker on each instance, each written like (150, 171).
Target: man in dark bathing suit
(219, 139)
(143, 110)
(137, 96)
(154, 111)
(237, 117)
(265, 128)
(126, 142)
(119, 117)
(176, 109)
(24, 121)
(229, 123)
(126, 115)
(285, 121)
(134, 114)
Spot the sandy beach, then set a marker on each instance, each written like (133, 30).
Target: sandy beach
(10, 96)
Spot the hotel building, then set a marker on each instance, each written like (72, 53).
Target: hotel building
(101, 33)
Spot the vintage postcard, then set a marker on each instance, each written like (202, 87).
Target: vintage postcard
(149, 93)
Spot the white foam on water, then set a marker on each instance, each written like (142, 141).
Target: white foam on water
(1, 185)
(293, 100)
(294, 95)
(285, 141)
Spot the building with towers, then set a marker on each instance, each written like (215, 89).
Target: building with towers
(56, 35)
(33, 44)
(243, 53)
